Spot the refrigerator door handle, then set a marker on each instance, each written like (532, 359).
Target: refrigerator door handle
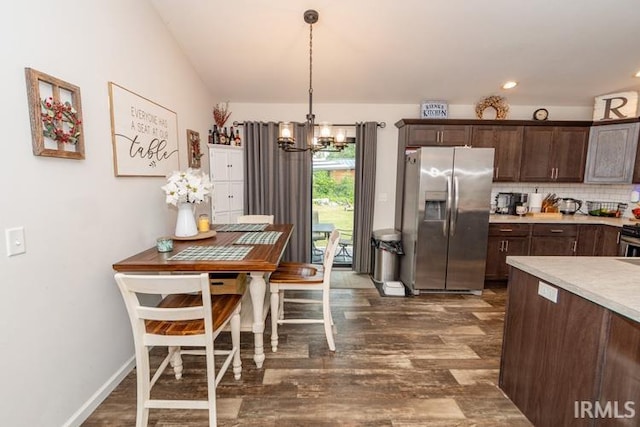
(454, 208)
(445, 223)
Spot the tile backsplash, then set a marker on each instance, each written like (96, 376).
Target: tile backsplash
(592, 192)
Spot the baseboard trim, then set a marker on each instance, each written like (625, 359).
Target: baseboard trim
(100, 395)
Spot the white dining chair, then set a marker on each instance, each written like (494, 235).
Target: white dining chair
(187, 315)
(293, 276)
(255, 219)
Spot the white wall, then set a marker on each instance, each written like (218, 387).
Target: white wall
(64, 327)
(388, 137)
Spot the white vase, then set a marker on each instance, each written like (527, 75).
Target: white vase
(186, 221)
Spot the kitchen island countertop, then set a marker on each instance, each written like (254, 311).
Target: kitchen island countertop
(613, 283)
(566, 219)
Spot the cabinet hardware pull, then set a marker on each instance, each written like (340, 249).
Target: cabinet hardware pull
(618, 238)
(556, 231)
(506, 230)
(497, 171)
(552, 169)
(501, 245)
(506, 249)
(575, 246)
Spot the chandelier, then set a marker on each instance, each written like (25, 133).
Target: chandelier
(317, 138)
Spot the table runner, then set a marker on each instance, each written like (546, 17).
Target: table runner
(260, 238)
(212, 253)
(242, 227)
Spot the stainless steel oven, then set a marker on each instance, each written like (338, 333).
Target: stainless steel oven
(630, 241)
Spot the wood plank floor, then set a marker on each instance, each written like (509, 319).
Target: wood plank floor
(430, 360)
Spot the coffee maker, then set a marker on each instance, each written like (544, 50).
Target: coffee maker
(506, 203)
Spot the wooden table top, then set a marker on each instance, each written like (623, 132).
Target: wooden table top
(260, 258)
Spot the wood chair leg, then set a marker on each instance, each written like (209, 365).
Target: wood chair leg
(328, 330)
(235, 342)
(143, 376)
(275, 314)
(176, 361)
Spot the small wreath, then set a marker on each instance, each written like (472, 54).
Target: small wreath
(61, 122)
(498, 103)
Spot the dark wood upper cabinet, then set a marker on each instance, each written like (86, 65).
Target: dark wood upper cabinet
(435, 135)
(507, 142)
(554, 154)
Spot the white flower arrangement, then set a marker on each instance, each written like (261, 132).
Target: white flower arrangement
(192, 186)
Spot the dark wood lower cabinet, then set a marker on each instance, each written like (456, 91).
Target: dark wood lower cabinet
(503, 240)
(550, 352)
(553, 239)
(610, 241)
(569, 363)
(620, 388)
(546, 239)
(588, 240)
(597, 240)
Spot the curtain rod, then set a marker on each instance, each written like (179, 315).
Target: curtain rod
(381, 125)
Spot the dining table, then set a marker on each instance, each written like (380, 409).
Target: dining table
(254, 249)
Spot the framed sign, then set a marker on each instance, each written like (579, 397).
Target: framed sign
(615, 106)
(144, 135)
(433, 110)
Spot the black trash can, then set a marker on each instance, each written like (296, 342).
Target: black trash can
(387, 246)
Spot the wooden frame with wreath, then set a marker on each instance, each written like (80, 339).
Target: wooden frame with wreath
(55, 111)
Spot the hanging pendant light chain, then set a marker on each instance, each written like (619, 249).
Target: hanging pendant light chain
(310, 116)
(310, 58)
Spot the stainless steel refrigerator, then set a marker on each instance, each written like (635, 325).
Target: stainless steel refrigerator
(445, 218)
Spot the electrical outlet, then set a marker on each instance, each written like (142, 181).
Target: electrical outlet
(15, 241)
(548, 292)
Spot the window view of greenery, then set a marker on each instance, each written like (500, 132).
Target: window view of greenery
(333, 198)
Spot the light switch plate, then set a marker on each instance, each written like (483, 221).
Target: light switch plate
(548, 292)
(15, 241)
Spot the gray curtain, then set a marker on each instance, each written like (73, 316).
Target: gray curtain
(366, 147)
(279, 183)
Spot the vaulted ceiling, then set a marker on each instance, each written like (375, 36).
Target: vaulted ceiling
(406, 51)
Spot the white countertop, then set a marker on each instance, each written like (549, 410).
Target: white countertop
(566, 219)
(606, 281)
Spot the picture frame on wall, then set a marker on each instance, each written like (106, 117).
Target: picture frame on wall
(55, 112)
(144, 135)
(193, 149)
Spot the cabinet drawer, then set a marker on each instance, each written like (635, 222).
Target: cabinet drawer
(559, 230)
(509, 229)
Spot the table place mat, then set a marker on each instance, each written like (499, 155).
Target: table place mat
(261, 238)
(212, 253)
(242, 227)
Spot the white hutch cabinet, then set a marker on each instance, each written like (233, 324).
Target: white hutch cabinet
(226, 170)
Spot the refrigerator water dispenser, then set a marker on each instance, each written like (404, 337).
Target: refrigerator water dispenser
(435, 207)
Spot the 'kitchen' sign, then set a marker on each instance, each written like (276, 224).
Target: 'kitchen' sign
(615, 106)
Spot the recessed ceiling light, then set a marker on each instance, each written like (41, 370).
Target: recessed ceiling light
(509, 85)
(637, 74)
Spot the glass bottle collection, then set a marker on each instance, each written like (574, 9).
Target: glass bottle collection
(222, 136)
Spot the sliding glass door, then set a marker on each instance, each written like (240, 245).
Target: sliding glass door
(333, 201)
